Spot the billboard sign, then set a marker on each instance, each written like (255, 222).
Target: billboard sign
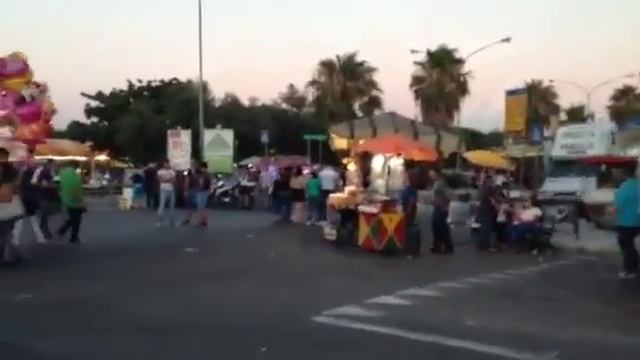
(218, 150)
(515, 115)
(179, 148)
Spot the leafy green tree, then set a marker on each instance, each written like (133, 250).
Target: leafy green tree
(293, 98)
(341, 86)
(576, 114)
(439, 85)
(624, 104)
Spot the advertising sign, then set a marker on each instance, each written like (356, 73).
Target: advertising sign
(515, 115)
(218, 150)
(179, 148)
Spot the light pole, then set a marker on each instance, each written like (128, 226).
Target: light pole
(588, 91)
(200, 84)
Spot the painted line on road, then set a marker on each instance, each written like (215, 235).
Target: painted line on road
(478, 280)
(389, 300)
(451, 284)
(353, 310)
(498, 276)
(420, 291)
(477, 347)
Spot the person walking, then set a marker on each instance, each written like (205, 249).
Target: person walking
(48, 199)
(313, 193)
(198, 188)
(298, 185)
(10, 209)
(29, 195)
(442, 243)
(151, 186)
(627, 206)
(166, 207)
(71, 195)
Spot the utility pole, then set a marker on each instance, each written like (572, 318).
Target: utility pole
(200, 84)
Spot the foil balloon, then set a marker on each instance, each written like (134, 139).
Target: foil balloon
(25, 105)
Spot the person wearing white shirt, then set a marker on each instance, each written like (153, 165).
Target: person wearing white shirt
(166, 208)
(329, 182)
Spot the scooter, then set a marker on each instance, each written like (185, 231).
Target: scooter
(224, 193)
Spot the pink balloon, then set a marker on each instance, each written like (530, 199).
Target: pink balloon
(8, 100)
(29, 112)
(11, 66)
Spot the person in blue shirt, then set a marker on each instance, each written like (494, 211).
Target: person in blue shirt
(627, 208)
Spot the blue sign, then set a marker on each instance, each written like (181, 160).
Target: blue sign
(537, 133)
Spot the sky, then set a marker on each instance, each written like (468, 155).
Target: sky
(257, 47)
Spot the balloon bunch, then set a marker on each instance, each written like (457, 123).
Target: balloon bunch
(26, 109)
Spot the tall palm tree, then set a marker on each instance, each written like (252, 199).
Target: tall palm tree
(345, 87)
(439, 85)
(624, 104)
(543, 100)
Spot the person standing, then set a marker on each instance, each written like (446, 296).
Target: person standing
(409, 200)
(199, 187)
(313, 193)
(627, 205)
(71, 195)
(298, 184)
(166, 179)
(486, 215)
(440, 228)
(151, 186)
(330, 181)
(283, 195)
(10, 209)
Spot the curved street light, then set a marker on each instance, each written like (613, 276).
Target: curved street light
(588, 91)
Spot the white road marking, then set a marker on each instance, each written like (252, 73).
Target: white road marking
(418, 291)
(353, 310)
(190, 250)
(451, 284)
(389, 300)
(21, 297)
(498, 276)
(478, 280)
(437, 339)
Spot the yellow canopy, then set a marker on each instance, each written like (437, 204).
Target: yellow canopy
(488, 159)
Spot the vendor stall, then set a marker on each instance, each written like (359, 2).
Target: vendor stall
(375, 214)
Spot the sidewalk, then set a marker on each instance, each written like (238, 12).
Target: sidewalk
(591, 240)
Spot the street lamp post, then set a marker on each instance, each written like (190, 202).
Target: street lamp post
(200, 84)
(588, 91)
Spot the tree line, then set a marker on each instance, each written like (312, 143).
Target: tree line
(132, 121)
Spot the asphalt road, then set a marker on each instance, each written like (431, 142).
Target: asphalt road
(246, 289)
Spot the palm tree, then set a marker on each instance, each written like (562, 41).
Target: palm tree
(576, 114)
(624, 104)
(345, 87)
(439, 85)
(543, 101)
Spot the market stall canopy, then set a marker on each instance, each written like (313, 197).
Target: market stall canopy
(488, 159)
(63, 148)
(398, 145)
(391, 123)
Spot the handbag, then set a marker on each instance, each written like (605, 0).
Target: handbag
(12, 210)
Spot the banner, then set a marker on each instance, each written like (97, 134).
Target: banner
(515, 115)
(179, 148)
(218, 150)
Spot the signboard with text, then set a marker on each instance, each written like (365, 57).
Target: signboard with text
(515, 115)
(218, 150)
(179, 148)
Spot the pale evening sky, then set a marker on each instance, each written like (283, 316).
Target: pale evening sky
(257, 47)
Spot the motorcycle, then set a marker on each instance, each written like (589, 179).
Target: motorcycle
(224, 193)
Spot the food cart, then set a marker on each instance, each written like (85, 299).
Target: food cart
(375, 214)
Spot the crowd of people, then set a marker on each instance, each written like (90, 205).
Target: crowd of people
(32, 193)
